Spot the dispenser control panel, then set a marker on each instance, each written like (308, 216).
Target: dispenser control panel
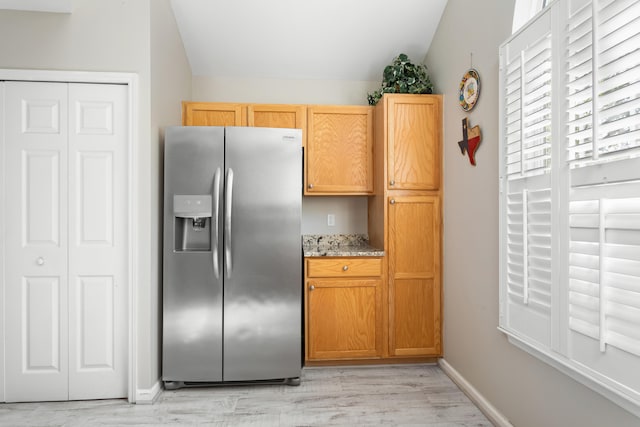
(192, 206)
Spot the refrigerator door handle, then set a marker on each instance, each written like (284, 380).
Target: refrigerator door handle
(227, 222)
(214, 226)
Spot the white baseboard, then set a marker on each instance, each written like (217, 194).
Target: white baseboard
(490, 411)
(146, 396)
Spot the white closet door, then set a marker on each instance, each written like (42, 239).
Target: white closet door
(97, 241)
(66, 246)
(36, 329)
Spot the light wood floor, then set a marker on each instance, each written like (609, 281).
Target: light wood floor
(345, 396)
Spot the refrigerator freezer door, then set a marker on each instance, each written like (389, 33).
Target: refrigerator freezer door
(262, 290)
(192, 296)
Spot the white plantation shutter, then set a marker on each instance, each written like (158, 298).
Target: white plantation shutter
(570, 192)
(528, 107)
(604, 235)
(527, 193)
(604, 268)
(615, 84)
(617, 34)
(604, 283)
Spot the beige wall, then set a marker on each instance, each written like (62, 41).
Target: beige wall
(528, 392)
(350, 212)
(273, 91)
(118, 36)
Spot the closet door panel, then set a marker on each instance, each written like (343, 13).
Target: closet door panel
(35, 165)
(98, 241)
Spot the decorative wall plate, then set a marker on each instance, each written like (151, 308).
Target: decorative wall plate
(469, 89)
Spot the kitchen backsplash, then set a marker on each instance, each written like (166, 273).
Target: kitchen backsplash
(350, 213)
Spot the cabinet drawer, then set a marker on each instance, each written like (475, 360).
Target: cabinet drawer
(344, 267)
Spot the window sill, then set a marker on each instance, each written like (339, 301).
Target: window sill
(617, 393)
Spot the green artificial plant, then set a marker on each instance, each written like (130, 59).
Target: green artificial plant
(402, 76)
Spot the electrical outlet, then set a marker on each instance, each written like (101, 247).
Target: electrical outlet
(331, 220)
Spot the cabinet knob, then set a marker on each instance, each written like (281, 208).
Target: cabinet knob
(310, 186)
(392, 201)
(40, 261)
(345, 268)
(312, 287)
(392, 182)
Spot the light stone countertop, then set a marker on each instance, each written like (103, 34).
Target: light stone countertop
(338, 245)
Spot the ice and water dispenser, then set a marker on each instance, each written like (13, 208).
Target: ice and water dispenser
(192, 223)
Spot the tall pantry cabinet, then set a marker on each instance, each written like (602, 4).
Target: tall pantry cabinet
(405, 219)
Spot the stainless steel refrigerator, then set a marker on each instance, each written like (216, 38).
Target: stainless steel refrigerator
(232, 304)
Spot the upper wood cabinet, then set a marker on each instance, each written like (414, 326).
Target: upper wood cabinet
(213, 114)
(278, 116)
(259, 115)
(339, 154)
(413, 139)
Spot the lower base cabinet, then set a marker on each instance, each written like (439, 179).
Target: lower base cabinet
(353, 315)
(343, 299)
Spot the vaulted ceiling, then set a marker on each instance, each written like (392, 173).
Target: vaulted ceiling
(304, 39)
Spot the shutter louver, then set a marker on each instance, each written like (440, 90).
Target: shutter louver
(515, 247)
(584, 263)
(579, 84)
(539, 248)
(536, 127)
(529, 266)
(513, 110)
(526, 77)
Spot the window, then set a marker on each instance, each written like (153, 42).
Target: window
(570, 192)
(524, 10)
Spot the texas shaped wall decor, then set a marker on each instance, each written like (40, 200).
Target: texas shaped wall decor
(470, 140)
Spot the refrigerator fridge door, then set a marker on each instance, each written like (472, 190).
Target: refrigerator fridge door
(192, 287)
(263, 254)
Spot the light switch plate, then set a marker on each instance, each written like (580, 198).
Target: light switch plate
(331, 220)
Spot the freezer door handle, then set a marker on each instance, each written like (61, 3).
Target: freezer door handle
(214, 226)
(227, 222)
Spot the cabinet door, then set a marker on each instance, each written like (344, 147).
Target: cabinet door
(339, 156)
(344, 319)
(213, 114)
(278, 116)
(414, 123)
(414, 276)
